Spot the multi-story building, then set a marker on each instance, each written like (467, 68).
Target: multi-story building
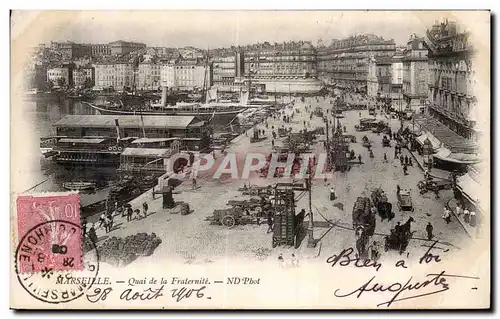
(371, 77)
(83, 77)
(345, 62)
(397, 81)
(452, 83)
(148, 76)
(186, 75)
(415, 75)
(99, 50)
(384, 77)
(116, 75)
(228, 70)
(123, 47)
(60, 76)
(284, 68)
(71, 50)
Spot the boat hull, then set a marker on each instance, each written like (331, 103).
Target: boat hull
(219, 118)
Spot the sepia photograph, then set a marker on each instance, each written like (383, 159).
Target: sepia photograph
(250, 159)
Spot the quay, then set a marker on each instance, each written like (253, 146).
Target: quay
(191, 239)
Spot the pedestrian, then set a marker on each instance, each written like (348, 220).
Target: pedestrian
(108, 224)
(92, 233)
(269, 222)
(458, 211)
(359, 158)
(84, 226)
(272, 142)
(398, 190)
(406, 160)
(130, 212)
(385, 157)
(332, 194)
(194, 183)
(429, 229)
(473, 221)
(402, 160)
(374, 252)
(410, 162)
(102, 219)
(446, 215)
(466, 216)
(145, 209)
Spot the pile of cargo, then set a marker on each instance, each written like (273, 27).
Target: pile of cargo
(120, 252)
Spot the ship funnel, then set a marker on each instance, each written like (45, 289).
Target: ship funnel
(163, 96)
(117, 131)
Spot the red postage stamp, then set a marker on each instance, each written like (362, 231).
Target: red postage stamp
(50, 233)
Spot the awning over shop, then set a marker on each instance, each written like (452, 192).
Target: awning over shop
(434, 142)
(445, 154)
(421, 139)
(470, 188)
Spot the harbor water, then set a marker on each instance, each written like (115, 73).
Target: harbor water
(46, 175)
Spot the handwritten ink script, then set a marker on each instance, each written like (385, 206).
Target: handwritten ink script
(410, 288)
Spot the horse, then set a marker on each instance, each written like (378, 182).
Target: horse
(406, 227)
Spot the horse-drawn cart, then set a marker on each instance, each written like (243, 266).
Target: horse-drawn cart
(384, 208)
(431, 185)
(229, 217)
(399, 237)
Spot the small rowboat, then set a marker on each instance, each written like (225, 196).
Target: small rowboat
(78, 186)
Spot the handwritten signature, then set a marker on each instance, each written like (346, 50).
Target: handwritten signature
(436, 281)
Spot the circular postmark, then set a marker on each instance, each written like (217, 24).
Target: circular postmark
(55, 283)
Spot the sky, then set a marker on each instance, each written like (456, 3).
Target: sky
(213, 29)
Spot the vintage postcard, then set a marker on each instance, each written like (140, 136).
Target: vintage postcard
(250, 160)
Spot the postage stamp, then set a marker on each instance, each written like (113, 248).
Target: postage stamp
(51, 232)
(47, 285)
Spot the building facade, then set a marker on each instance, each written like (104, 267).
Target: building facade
(124, 47)
(452, 82)
(186, 75)
(384, 77)
(148, 76)
(225, 71)
(116, 75)
(346, 62)
(60, 76)
(71, 50)
(371, 77)
(283, 68)
(397, 81)
(83, 77)
(415, 75)
(99, 50)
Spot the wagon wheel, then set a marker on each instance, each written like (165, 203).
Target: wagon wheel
(228, 221)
